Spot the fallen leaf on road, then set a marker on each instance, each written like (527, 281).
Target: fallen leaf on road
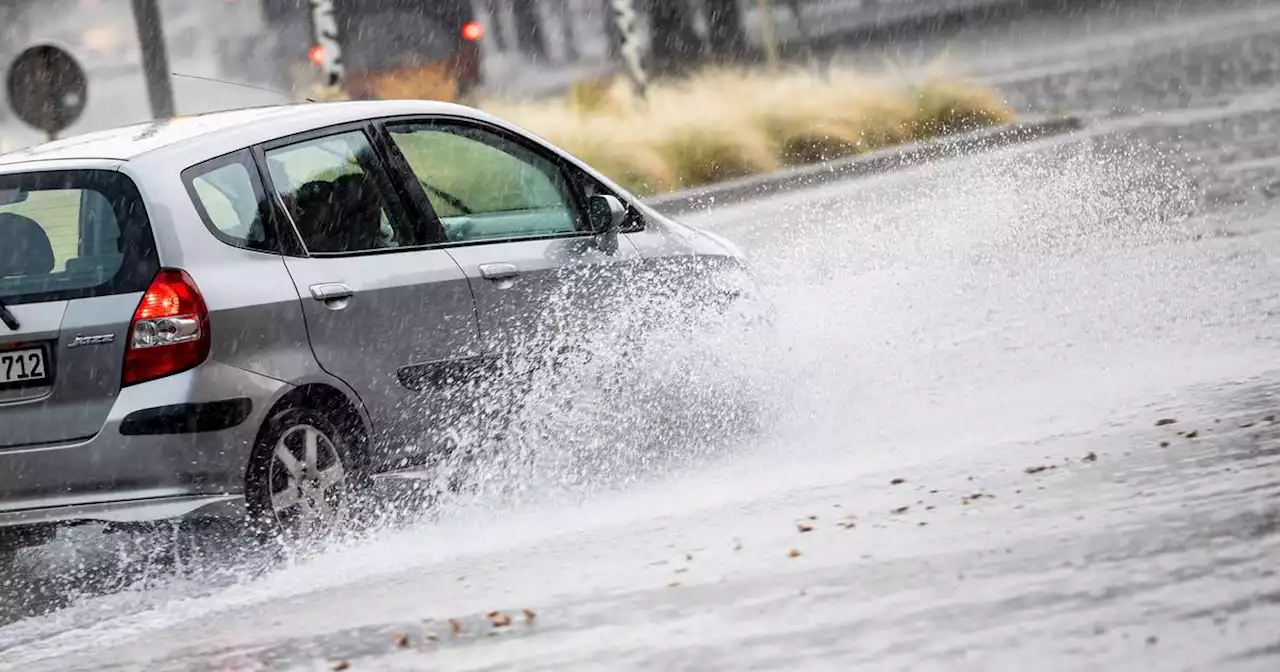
(793, 553)
(432, 637)
(1269, 418)
(922, 523)
(340, 665)
(673, 584)
(499, 619)
(900, 510)
(529, 615)
(898, 481)
(688, 556)
(1091, 457)
(401, 640)
(1152, 640)
(737, 544)
(1165, 421)
(1164, 444)
(803, 527)
(1036, 469)
(1192, 434)
(1247, 425)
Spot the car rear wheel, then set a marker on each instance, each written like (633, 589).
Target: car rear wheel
(299, 482)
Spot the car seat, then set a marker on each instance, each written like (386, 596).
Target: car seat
(26, 250)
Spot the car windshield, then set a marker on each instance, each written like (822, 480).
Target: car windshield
(73, 233)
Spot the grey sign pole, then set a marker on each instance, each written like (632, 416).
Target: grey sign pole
(155, 58)
(624, 14)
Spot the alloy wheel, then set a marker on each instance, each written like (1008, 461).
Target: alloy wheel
(307, 481)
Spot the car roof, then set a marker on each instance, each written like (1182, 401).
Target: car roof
(240, 128)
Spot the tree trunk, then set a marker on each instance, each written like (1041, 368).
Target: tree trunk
(529, 28)
(724, 30)
(676, 46)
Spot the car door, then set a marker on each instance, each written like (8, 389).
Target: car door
(513, 218)
(384, 310)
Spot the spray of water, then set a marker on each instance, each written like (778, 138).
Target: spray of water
(873, 296)
(928, 304)
(624, 374)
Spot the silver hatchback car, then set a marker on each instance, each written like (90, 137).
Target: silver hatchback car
(233, 315)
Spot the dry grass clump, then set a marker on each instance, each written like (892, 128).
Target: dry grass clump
(723, 124)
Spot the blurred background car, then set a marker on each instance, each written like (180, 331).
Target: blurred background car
(391, 48)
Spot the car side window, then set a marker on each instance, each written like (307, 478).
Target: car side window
(330, 190)
(484, 187)
(228, 197)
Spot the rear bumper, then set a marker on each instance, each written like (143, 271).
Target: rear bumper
(447, 79)
(151, 460)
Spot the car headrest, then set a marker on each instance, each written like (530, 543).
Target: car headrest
(24, 247)
(359, 210)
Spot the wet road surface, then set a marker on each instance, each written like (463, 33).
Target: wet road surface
(1003, 333)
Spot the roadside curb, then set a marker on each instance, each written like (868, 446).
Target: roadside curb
(862, 165)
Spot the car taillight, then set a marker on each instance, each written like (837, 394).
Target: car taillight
(169, 332)
(472, 31)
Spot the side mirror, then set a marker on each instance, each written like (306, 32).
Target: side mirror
(605, 214)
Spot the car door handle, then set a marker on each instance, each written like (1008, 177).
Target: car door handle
(331, 291)
(498, 271)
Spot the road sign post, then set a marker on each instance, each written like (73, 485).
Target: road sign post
(47, 88)
(155, 58)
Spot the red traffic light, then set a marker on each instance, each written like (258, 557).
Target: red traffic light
(472, 31)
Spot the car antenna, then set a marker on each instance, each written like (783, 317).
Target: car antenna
(247, 86)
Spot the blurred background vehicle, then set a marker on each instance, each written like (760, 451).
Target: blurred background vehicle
(390, 48)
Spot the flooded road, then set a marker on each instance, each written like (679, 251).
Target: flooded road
(1022, 414)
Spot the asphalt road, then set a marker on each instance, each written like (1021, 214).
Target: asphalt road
(1003, 332)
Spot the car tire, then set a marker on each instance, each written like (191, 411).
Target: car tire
(299, 485)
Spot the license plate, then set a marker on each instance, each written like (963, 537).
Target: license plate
(21, 367)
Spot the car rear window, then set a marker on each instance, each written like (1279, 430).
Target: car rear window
(382, 39)
(71, 234)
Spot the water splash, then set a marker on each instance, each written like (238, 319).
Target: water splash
(956, 304)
